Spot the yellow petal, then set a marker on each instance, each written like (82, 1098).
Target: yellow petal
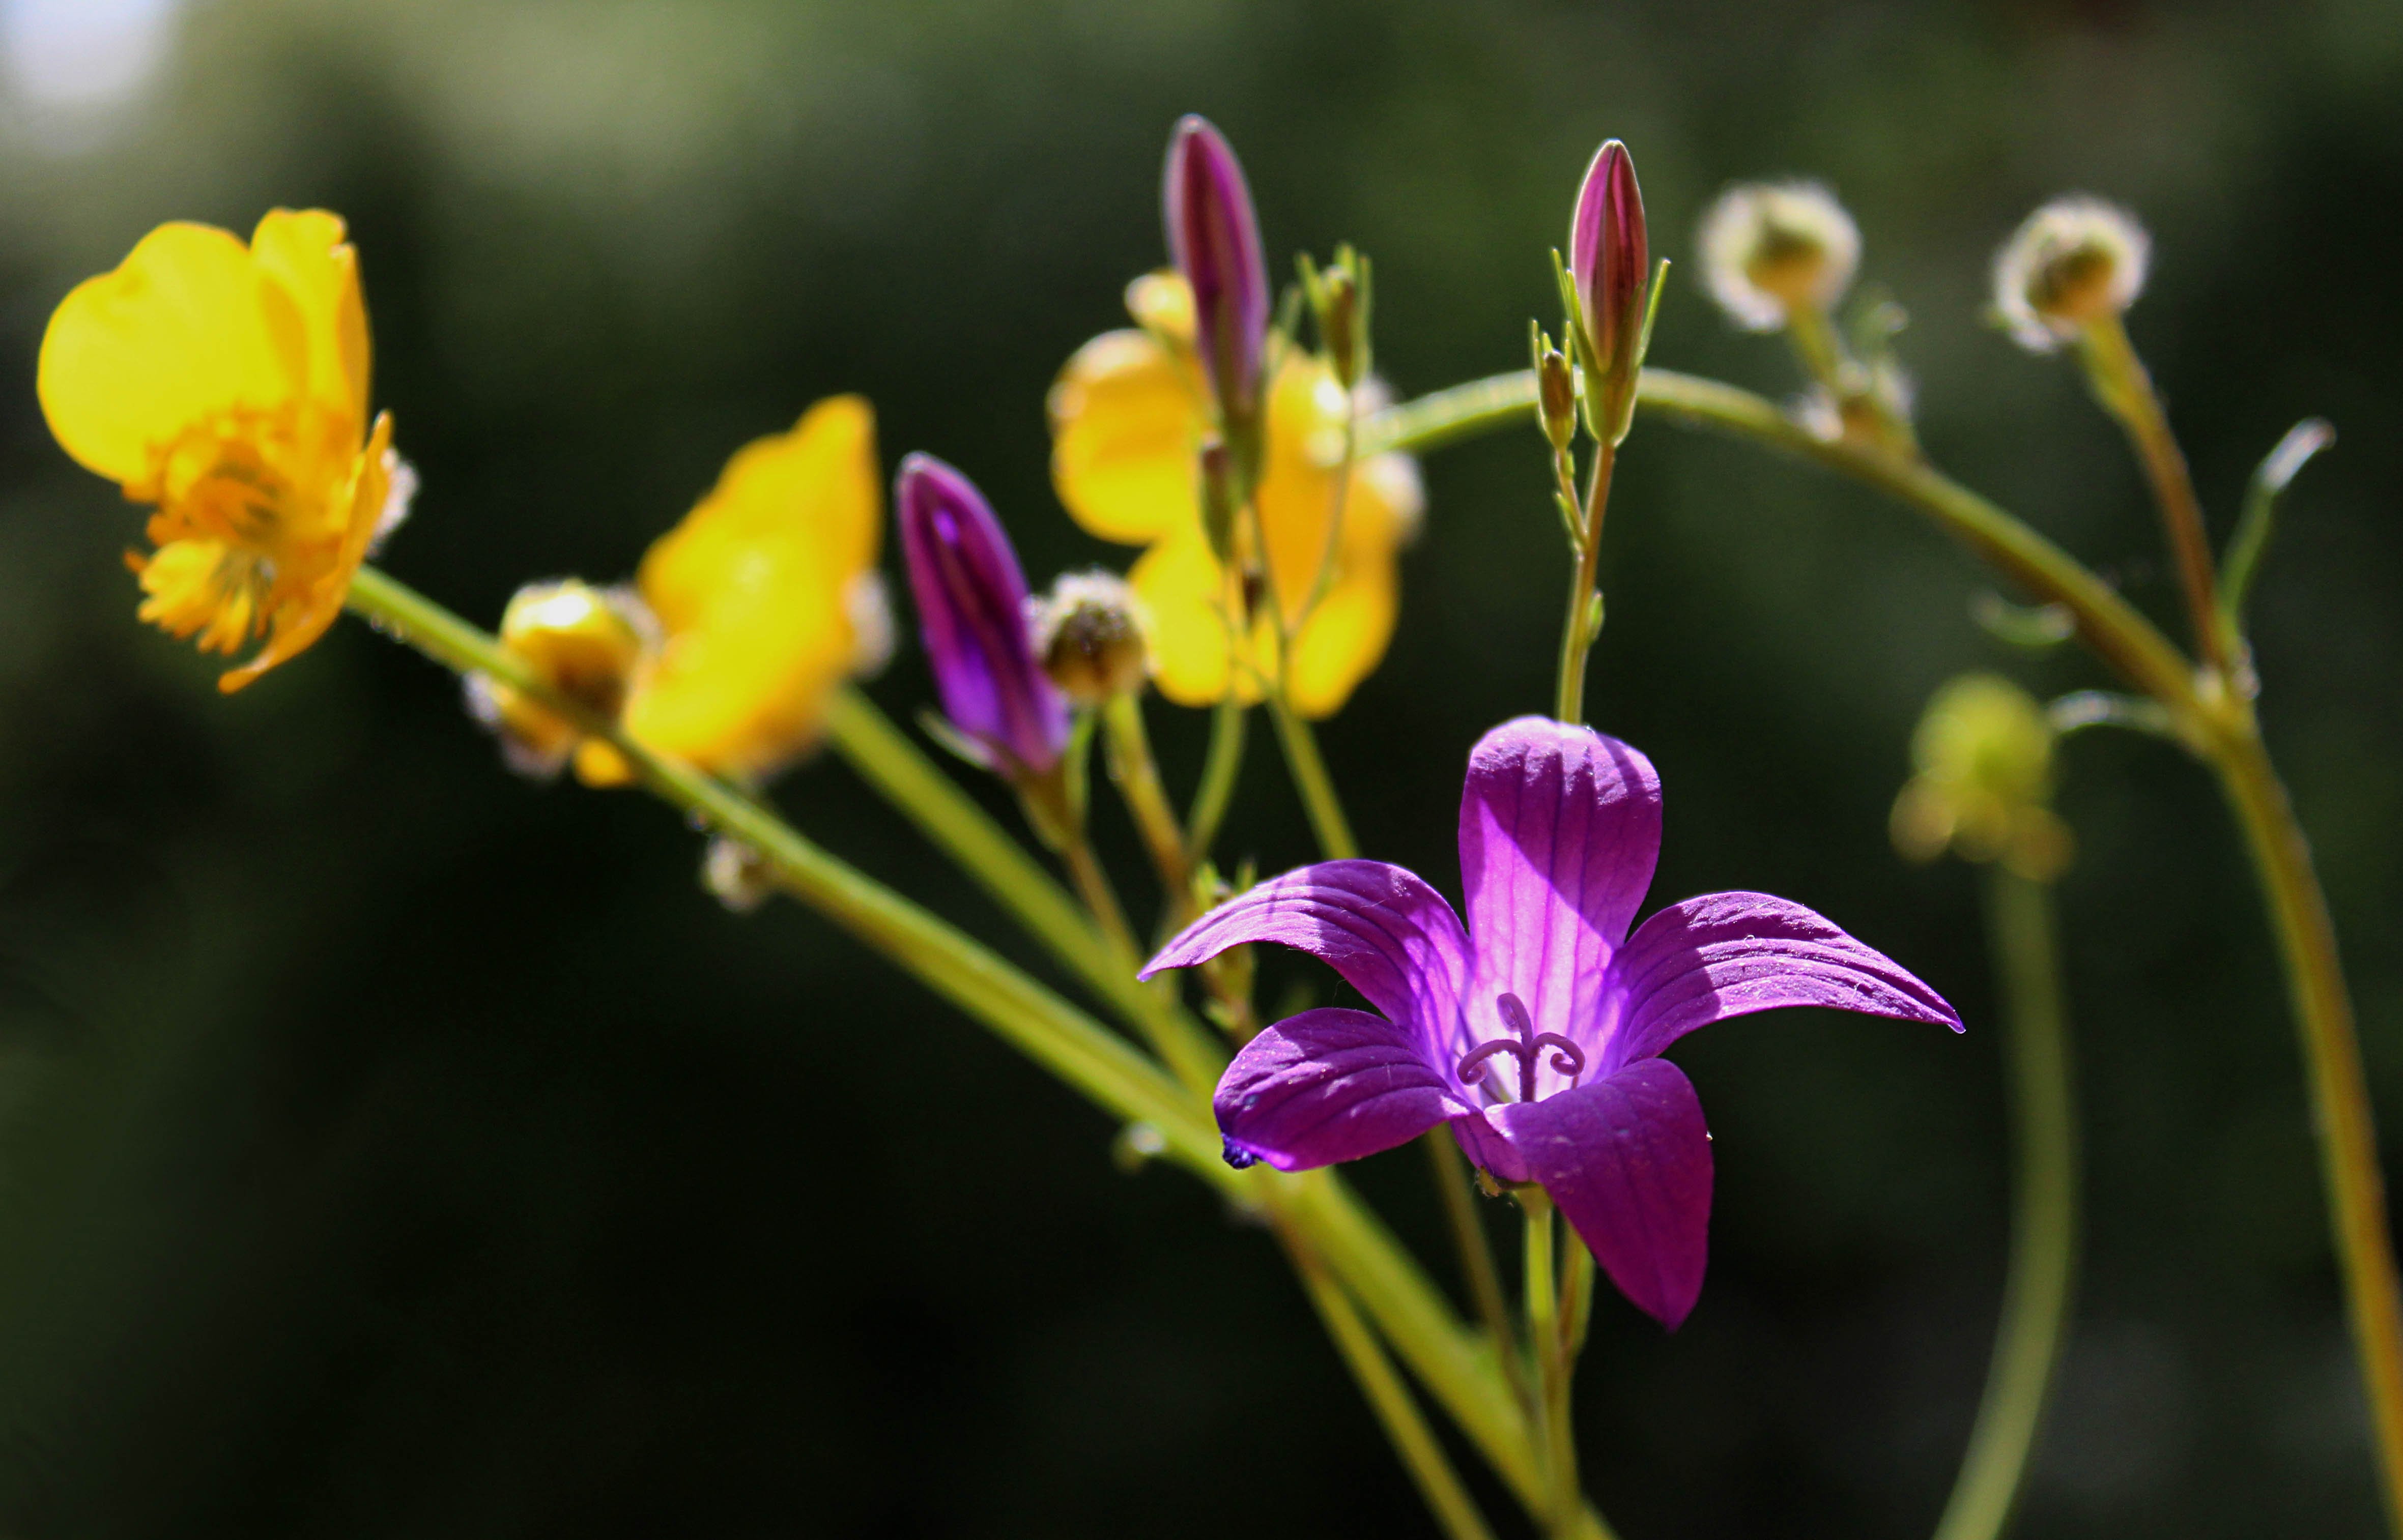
(311, 606)
(751, 591)
(1344, 639)
(180, 331)
(1125, 422)
(308, 258)
(1180, 584)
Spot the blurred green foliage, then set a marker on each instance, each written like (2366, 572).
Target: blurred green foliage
(391, 1146)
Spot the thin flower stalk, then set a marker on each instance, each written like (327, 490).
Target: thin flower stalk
(1560, 1497)
(1388, 1283)
(892, 765)
(2026, 944)
(2222, 729)
(1220, 766)
(1406, 1427)
(1136, 774)
(2125, 388)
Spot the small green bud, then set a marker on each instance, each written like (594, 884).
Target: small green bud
(1983, 752)
(1556, 398)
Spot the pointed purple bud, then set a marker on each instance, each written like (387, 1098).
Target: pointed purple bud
(972, 612)
(1610, 257)
(1215, 240)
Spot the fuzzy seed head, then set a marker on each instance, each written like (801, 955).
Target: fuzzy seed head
(2074, 261)
(1088, 632)
(1771, 247)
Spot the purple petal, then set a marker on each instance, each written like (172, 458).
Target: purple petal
(1389, 936)
(1326, 1086)
(971, 599)
(1215, 240)
(1628, 1160)
(1559, 831)
(1610, 252)
(1729, 953)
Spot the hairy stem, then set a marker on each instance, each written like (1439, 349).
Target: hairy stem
(2044, 1223)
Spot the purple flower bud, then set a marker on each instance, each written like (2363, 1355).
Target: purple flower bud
(972, 612)
(1610, 257)
(1215, 240)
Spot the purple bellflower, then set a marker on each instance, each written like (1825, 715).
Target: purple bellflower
(972, 612)
(1610, 257)
(1537, 1030)
(1215, 240)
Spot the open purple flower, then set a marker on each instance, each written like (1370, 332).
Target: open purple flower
(972, 612)
(1537, 1030)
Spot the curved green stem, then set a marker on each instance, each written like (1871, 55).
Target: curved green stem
(2044, 1226)
(2111, 626)
(2348, 1136)
(1404, 1426)
(2213, 722)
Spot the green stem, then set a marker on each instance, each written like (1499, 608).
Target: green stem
(2348, 1137)
(1484, 1279)
(883, 756)
(1577, 1296)
(1136, 774)
(1316, 787)
(1062, 1038)
(1386, 1280)
(2043, 1225)
(1561, 1504)
(2211, 721)
(2125, 388)
(2111, 626)
(1218, 774)
(1576, 632)
(1404, 1426)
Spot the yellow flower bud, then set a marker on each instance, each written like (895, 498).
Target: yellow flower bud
(584, 643)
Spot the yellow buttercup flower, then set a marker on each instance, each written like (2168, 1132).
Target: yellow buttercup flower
(228, 385)
(1128, 415)
(766, 598)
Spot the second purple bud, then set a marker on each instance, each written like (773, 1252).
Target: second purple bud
(1215, 239)
(972, 613)
(1610, 257)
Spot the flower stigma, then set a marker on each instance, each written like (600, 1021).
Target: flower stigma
(1527, 1047)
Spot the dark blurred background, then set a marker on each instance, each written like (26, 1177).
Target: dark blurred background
(392, 1146)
